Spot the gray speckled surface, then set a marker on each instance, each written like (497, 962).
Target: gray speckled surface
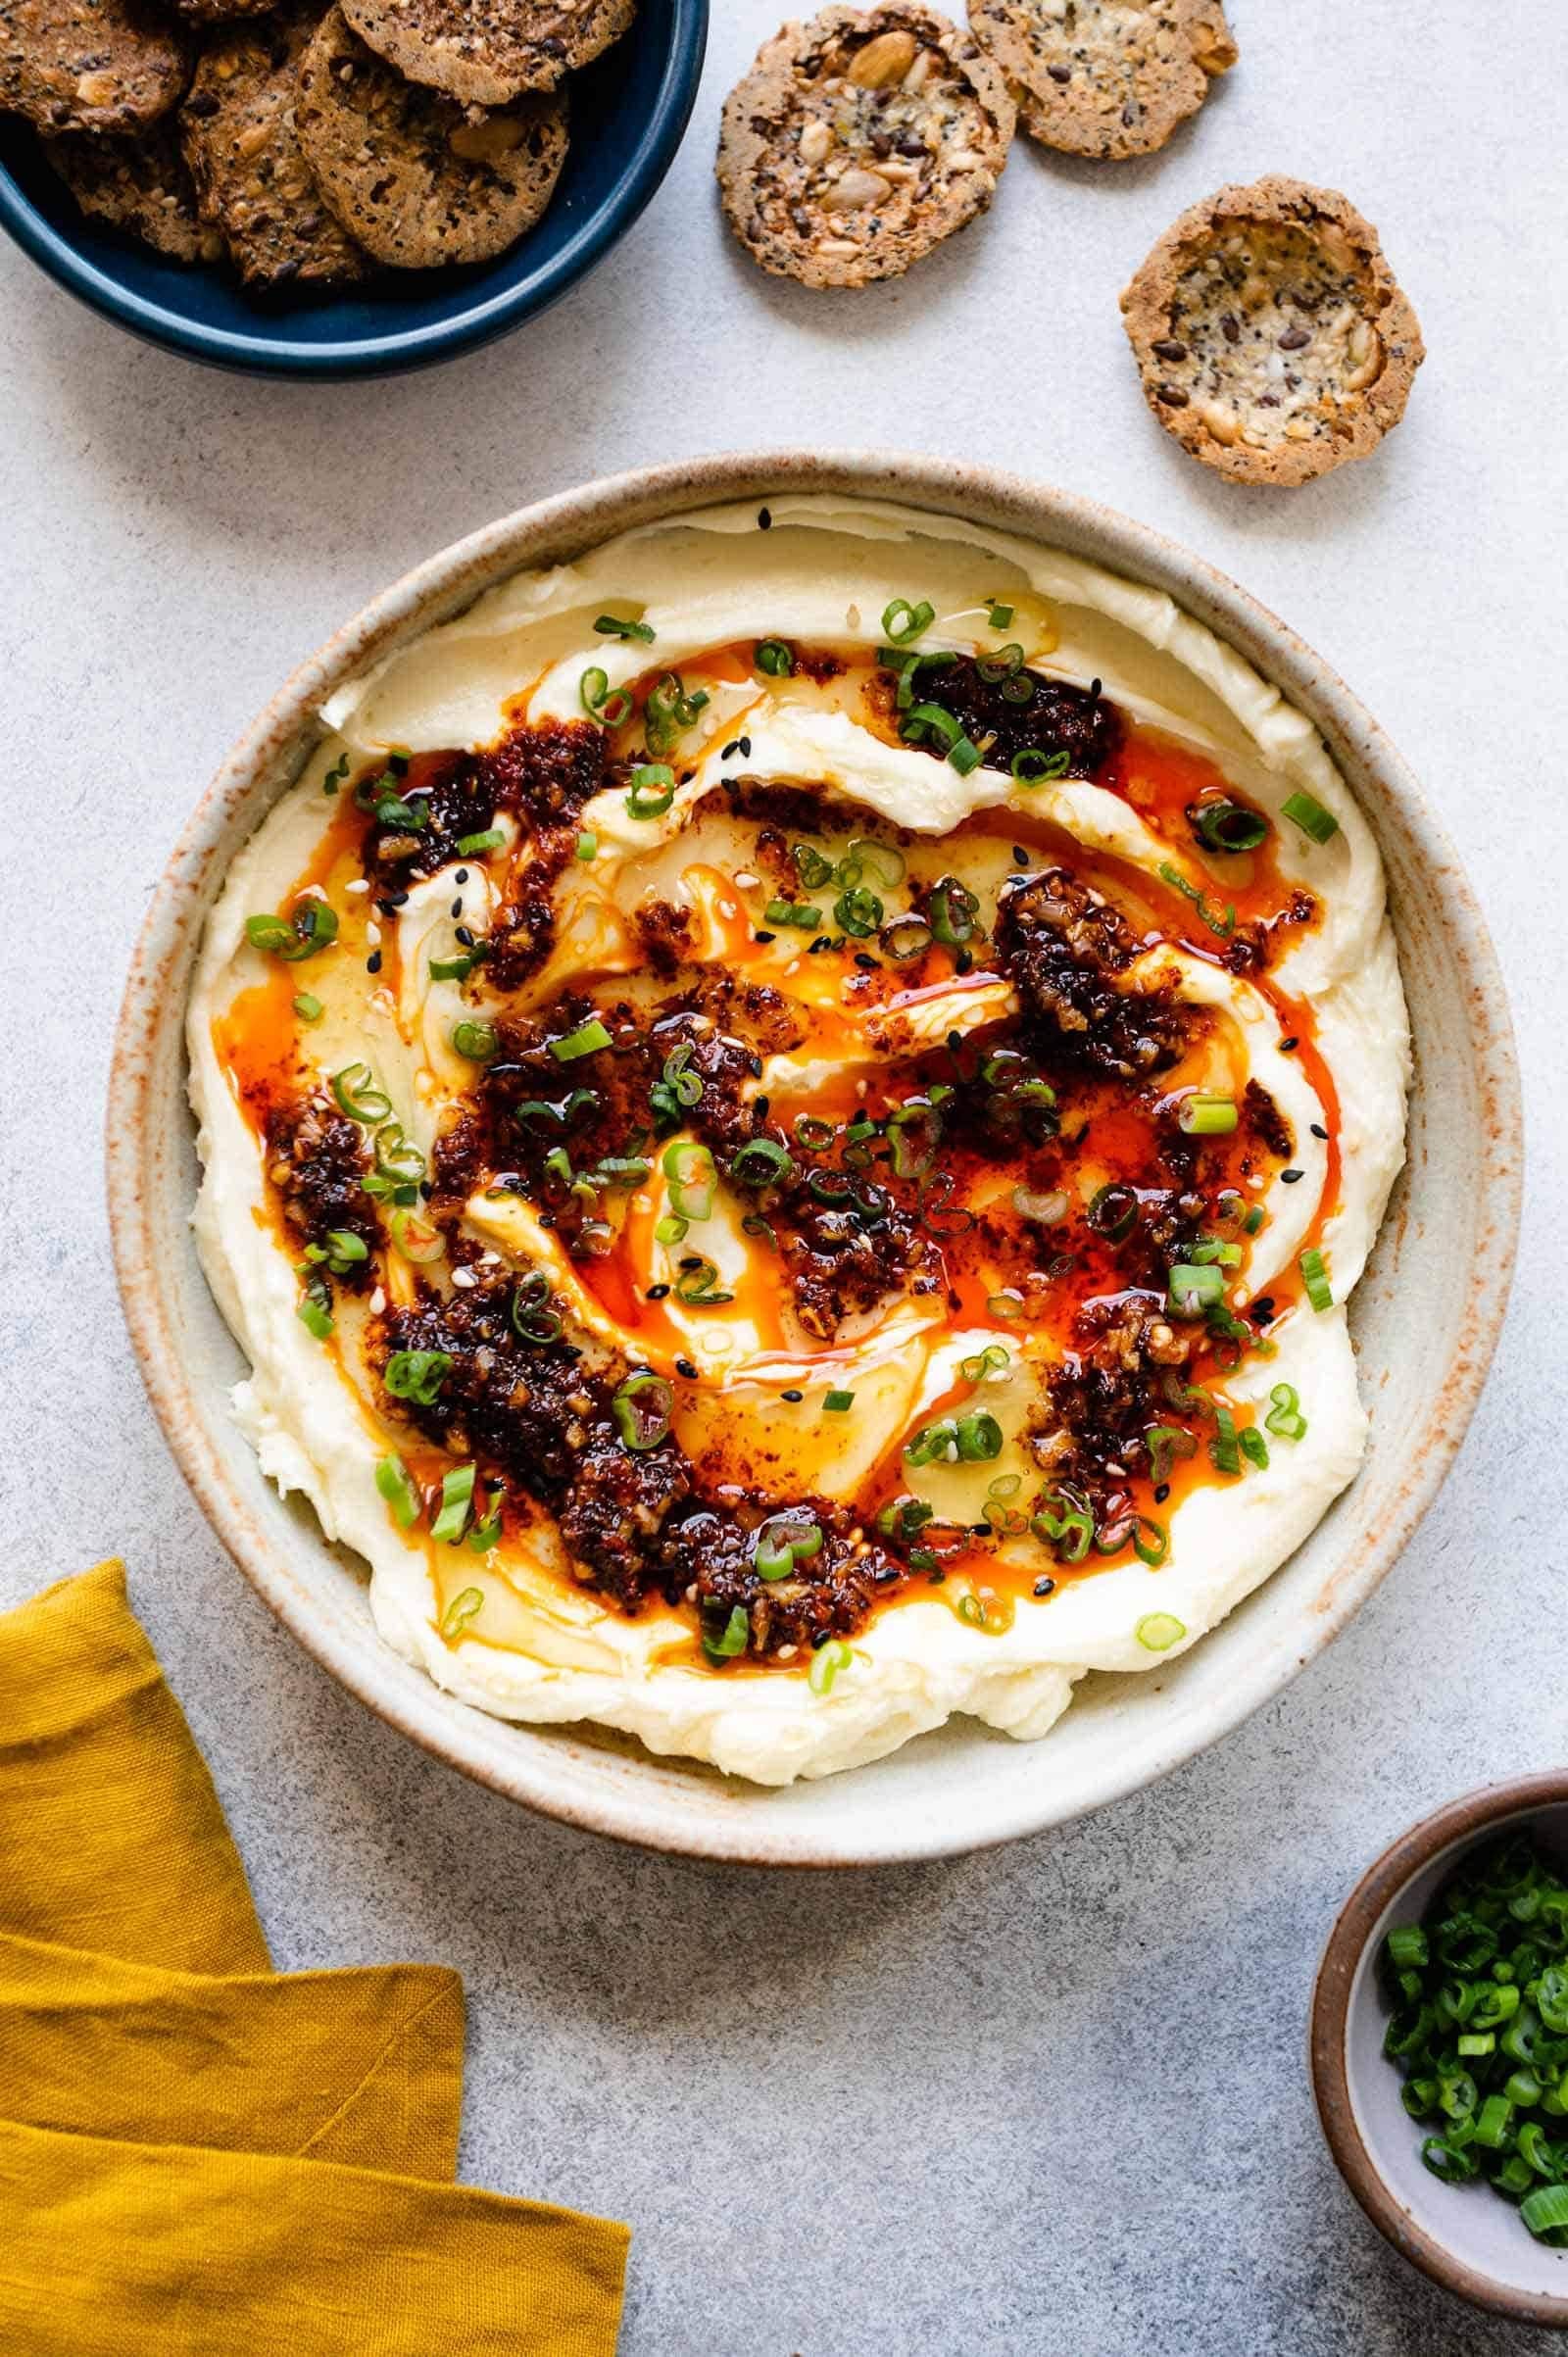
(1051, 2099)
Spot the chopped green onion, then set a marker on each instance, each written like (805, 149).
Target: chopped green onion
(455, 969)
(907, 937)
(1312, 817)
(490, 838)
(810, 867)
(310, 926)
(990, 1361)
(760, 1162)
(610, 626)
(336, 775)
(533, 1319)
(698, 1286)
(1223, 1448)
(670, 1229)
(650, 789)
(486, 1531)
(836, 1403)
(1193, 1286)
(587, 846)
(457, 1497)
(1546, 2212)
(1150, 1541)
(964, 757)
(826, 1663)
(462, 1609)
(1204, 1117)
(955, 912)
(609, 706)
(1005, 664)
(415, 1238)
(393, 1480)
(1284, 1417)
(932, 721)
(732, 1638)
(642, 1409)
(693, 1179)
(359, 1096)
(1164, 1442)
(345, 1250)
(670, 708)
(1253, 1447)
(774, 659)
(1315, 1277)
(315, 1316)
(309, 1008)
(857, 911)
(1033, 768)
(1000, 615)
(792, 912)
(478, 1041)
(586, 1040)
(902, 622)
(1229, 826)
(418, 1375)
(1224, 926)
(1157, 1632)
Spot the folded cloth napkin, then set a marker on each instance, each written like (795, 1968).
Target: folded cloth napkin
(200, 2157)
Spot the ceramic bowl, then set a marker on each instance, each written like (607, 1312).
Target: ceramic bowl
(1466, 2237)
(1425, 1316)
(628, 111)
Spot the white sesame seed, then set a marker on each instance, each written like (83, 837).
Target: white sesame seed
(463, 1278)
(372, 934)
(379, 1300)
(359, 884)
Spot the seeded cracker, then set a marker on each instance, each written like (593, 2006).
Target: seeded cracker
(414, 176)
(252, 179)
(859, 141)
(90, 65)
(1272, 339)
(488, 52)
(140, 185)
(1106, 78)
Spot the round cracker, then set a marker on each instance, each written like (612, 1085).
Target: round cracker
(859, 141)
(140, 185)
(488, 52)
(415, 178)
(1106, 78)
(1272, 337)
(252, 179)
(90, 65)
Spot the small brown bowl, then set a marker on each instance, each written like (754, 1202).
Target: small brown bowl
(1465, 2238)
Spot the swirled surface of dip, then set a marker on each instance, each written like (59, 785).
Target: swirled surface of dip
(790, 1111)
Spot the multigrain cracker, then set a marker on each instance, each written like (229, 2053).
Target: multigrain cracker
(488, 52)
(90, 65)
(859, 141)
(140, 185)
(1271, 336)
(415, 177)
(252, 179)
(1106, 78)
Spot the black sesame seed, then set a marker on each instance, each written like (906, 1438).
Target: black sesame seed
(457, 906)
(1162, 1492)
(1020, 857)
(465, 934)
(867, 962)
(657, 1293)
(683, 1366)
(794, 1398)
(462, 877)
(746, 747)
(764, 937)
(819, 1638)
(1286, 1046)
(888, 1573)
(964, 963)
(372, 963)
(765, 519)
(759, 1109)
(981, 1530)
(398, 900)
(1288, 1178)
(733, 746)
(1318, 1130)
(755, 1064)
(1262, 1309)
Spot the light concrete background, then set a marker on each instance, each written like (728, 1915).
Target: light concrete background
(1051, 2099)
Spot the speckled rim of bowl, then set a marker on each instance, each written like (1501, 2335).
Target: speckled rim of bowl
(1460, 1823)
(146, 1099)
(270, 352)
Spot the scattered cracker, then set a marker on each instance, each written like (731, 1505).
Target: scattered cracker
(90, 65)
(1272, 338)
(418, 180)
(252, 179)
(488, 52)
(859, 141)
(1102, 77)
(140, 185)
(220, 12)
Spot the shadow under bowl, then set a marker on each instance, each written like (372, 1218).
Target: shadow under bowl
(1468, 2239)
(628, 109)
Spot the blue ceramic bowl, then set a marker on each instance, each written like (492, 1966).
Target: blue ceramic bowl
(628, 111)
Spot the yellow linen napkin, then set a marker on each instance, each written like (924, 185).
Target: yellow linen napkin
(198, 2155)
